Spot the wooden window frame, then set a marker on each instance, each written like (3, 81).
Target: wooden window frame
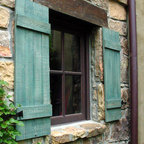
(63, 23)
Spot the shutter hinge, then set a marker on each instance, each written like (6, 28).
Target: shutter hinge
(19, 114)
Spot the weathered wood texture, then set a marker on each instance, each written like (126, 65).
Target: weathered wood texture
(111, 53)
(32, 68)
(79, 9)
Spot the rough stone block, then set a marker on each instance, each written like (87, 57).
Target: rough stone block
(124, 45)
(118, 26)
(76, 133)
(124, 69)
(99, 67)
(8, 3)
(95, 95)
(5, 52)
(7, 73)
(101, 102)
(107, 133)
(98, 57)
(94, 111)
(120, 130)
(87, 141)
(4, 17)
(101, 3)
(97, 140)
(125, 97)
(116, 10)
(93, 129)
(47, 140)
(4, 38)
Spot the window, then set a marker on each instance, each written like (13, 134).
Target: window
(68, 83)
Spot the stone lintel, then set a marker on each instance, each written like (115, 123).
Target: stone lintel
(71, 132)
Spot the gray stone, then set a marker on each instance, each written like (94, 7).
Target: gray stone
(4, 38)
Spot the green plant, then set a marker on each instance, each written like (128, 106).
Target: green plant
(8, 130)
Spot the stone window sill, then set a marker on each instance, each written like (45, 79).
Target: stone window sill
(73, 131)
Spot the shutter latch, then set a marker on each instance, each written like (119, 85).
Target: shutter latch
(19, 114)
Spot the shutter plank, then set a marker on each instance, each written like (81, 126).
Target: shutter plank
(111, 52)
(45, 68)
(32, 69)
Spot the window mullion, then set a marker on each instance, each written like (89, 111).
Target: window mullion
(63, 76)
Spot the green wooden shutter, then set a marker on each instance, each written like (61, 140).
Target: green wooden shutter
(32, 86)
(111, 53)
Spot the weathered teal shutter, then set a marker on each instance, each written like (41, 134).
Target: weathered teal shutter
(32, 86)
(111, 54)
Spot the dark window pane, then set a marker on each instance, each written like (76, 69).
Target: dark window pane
(55, 50)
(71, 52)
(72, 94)
(56, 94)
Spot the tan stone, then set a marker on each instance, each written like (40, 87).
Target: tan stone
(116, 10)
(5, 52)
(74, 133)
(93, 129)
(59, 137)
(118, 26)
(95, 95)
(98, 42)
(124, 45)
(7, 73)
(67, 134)
(4, 17)
(77, 132)
(124, 68)
(4, 38)
(101, 102)
(47, 140)
(8, 3)
(99, 53)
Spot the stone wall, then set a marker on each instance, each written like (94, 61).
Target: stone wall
(116, 132)
(6, 42)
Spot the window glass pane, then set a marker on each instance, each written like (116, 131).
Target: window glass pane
(55, 50)
(71, 52)
(56, 94)
(72, 94)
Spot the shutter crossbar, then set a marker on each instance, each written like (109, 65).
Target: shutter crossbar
(33, 112)
(29, 23)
